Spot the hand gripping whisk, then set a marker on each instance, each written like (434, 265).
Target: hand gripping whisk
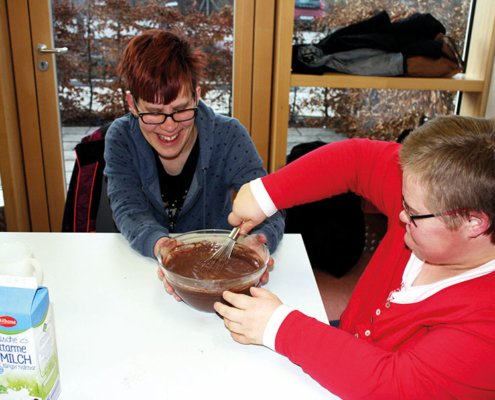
(221, 257)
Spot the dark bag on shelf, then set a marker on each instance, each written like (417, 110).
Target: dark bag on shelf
(414, 46)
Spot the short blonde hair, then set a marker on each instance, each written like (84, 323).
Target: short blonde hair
(454, 158)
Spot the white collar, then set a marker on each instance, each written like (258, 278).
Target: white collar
(408, 294)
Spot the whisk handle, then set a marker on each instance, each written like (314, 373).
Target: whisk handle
(234, 235)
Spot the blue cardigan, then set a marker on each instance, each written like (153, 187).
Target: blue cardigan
(227, 160)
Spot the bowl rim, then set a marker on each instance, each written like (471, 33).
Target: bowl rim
(202, 231)
(193, 283)
(222, 232)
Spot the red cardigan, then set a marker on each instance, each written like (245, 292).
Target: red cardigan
(441, 347)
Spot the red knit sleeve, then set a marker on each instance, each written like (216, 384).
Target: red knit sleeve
(357, 165)
(447, 362)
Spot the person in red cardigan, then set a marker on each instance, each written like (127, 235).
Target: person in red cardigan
(421, 320)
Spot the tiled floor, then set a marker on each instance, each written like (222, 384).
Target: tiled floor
(336, 292)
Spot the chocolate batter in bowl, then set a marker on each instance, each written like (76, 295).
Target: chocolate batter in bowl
(182, 259)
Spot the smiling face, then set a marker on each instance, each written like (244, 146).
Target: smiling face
(173, 141)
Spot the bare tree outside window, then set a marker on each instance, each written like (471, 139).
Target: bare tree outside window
(96, 32)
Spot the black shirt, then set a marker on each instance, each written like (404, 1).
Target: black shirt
(174, 188)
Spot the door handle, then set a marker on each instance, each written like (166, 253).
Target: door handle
(43, 49)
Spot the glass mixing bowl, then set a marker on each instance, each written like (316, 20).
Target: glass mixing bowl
(182, 261)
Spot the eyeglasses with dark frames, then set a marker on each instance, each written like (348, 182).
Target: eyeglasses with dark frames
(157, 118)
(412, 218)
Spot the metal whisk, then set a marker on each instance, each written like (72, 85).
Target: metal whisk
(221, 257)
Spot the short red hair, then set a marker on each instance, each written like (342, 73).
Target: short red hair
(159, 64)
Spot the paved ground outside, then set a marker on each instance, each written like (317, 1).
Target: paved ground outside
(71, 136)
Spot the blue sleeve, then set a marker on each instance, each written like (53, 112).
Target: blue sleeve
(131, 200)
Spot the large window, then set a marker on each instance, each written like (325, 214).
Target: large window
(96, 33)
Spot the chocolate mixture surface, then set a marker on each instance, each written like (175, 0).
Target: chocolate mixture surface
(188, 261)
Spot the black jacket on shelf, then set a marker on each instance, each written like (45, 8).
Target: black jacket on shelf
(420, 35)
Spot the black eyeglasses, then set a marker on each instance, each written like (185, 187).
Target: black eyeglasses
(157, 118)
(412, 218)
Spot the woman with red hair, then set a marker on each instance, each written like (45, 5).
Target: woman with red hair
(173, 163)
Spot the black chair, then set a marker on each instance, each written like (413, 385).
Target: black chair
(333, 229)
(87, 207)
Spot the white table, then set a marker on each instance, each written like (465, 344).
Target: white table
(121, 336)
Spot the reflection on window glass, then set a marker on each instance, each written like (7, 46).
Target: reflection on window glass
(379, 114)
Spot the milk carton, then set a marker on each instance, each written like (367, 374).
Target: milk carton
(28, 352)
